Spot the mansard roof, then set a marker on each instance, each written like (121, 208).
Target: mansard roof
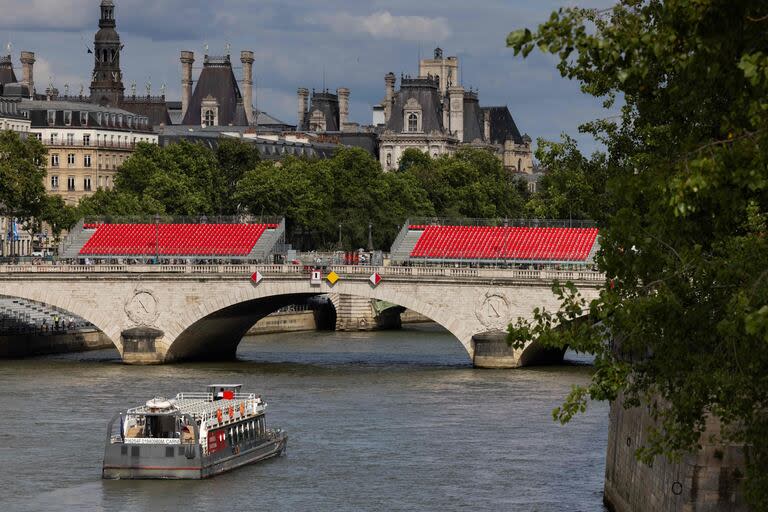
(7, 76)
(218, 80)
(503, 126)
(473, 119)
(426, 93)
(328, 104)
(153, 108)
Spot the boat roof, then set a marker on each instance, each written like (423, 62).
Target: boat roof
(203, 405)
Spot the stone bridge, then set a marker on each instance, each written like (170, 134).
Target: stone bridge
(165, 313)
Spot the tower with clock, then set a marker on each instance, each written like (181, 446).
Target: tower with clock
(107, 84)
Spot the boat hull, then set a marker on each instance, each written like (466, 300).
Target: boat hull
(182, 462)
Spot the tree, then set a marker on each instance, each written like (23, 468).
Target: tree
(235, 158)
(683, 223)
(57, 214)
(573, 185)
(22, 171)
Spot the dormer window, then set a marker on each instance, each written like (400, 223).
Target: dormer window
(129, 121)
(51, 117)
(120, 120)
(413, 122)
(209, 112)
(98, 118)
(83, 118)
(412, 116)
(68, 117)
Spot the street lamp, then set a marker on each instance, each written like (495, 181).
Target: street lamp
(370, 237)
(339, 235)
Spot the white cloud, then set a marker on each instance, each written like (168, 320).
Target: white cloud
(63, 15)
(384, 25)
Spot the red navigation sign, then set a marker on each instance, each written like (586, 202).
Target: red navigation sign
(375, 279)
(256, 277)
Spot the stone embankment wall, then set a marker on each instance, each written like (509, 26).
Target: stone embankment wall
(293, 321)
(706, 481)
(28, 345)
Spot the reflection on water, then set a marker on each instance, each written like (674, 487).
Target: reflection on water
(377, 421)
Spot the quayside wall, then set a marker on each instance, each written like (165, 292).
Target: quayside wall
(28, 345)
(706, 481)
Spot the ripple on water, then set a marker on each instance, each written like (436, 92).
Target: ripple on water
(377, 421)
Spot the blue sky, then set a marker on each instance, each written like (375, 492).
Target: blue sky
(353, 43)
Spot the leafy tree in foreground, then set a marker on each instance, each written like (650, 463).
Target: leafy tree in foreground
(684, 218)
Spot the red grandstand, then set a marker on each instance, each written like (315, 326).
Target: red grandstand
(491, 244)
(172, 240)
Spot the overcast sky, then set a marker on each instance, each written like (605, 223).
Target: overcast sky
(353, 43)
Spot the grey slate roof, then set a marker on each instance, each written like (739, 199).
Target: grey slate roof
(427, 94)
(152, 108)
(503, 126)
(7, 76)
(473, 122)
(218, 80)
(327, 103)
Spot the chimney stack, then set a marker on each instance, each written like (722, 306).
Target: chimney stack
(389, 98)
(487, 126)
(187, 60)
(28, 72)
(343, 94)
(246, 57)
(303, 94)
(456, 105)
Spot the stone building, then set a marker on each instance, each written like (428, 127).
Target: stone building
(435, 114)
(86, 143)
(12, 118)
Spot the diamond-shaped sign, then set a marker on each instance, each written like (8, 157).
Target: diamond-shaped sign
(256, 277)
(375, 279)
(332, 277)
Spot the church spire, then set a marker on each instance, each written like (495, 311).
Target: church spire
(107, 84)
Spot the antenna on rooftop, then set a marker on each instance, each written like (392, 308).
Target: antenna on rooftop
(324, 78)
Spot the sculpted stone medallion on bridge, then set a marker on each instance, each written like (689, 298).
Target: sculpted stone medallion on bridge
(142, 308)
(494, 311)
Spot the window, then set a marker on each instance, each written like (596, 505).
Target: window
(54, 138)
(54, 183)
(519, 165)
(86, 139)
(39, 136)
(87, 183)
(389, 159)
(98, 118)
(51, 117)
(83, 118)
(70, 139)
(71, 183)
(68, 117)
(55, 160)
(209, 118)
(119, 119)
(87, 160)
(413, 122)
(71, 159)
(101, 181)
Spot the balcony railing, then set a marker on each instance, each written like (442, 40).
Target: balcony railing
(92, 144)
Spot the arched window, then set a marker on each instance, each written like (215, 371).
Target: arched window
(389, 159)
(209, 119)
(413, 122)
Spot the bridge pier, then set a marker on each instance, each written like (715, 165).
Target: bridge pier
(493, 351)
(140, 346)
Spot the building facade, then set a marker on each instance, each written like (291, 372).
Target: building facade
(435, 114)
(86, 143)
(13, 119)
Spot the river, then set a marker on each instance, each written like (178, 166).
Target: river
(383, 421)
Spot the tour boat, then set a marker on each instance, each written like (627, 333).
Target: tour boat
(191, 436)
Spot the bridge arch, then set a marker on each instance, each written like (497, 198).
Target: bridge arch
(215, 328)
(65, 304)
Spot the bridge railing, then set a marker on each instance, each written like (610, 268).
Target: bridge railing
(352, 271)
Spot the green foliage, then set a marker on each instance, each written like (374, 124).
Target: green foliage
(573, 187)
(22, 171)
(684, 241)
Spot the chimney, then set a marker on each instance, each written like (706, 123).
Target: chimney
(303, 93)
(246, 57)
(187, 59)
(28, 73)
(487, 126)
(343, 94)
(456, 106)
(389, 98)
